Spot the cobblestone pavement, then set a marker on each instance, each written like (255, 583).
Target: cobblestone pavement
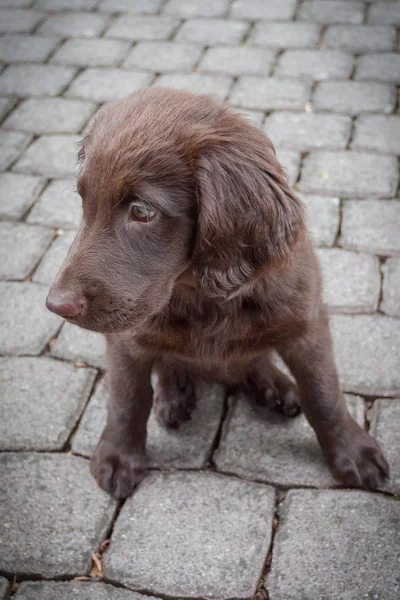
(237, 505)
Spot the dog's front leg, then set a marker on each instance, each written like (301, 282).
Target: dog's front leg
(353, 455)
(118, 463)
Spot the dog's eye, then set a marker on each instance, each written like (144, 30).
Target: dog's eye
(141, 212)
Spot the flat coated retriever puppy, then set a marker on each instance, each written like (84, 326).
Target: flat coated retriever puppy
(193, 258)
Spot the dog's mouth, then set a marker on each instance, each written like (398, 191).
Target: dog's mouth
(104, 327)
(107, 321)
(96, 328)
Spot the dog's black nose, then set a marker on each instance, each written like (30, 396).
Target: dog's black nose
(65, 305)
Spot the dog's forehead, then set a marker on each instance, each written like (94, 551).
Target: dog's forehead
(108, 178)
(100, 183)
(154, 115)
(120, 140)
(130, 118)
(124, 152)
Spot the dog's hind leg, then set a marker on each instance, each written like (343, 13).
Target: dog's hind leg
(272, 388)
(174, 394)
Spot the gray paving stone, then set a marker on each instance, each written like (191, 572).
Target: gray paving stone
(50, 155)
(322, 548)
(273, 10)
(163, 56)
(16, 20)
(74, 24)
(4, 588)
(212, 31)
(270, 93)
(21, 247)
(384, 13)
(53, 515)
(57, 5)
(12, 145)
(256, 117)
(42, 401)
(59, 206)
(290, 161)
(15, 3)
(99, 52)
(185, 448)
(258, 444)
(54, 258)
(66, 590)
(25, 324)
(351, 280)
(371, 226)
(304, 132)
(18, 193)
(136, 28)
(323, 218)
(241, 60)
(332, 11)
(385, 427)
(107, 85)
(380, 133)
(50, 115)
(218, 85)
(285, 35)
(6, 105)
(34, 80)
(391, 287)
(384, 66)
(366, 349)
(136, 7)
(354, 97)
(229, 520)
(28, 48)
(316, 64)
(349, 174)
(80, 345)
(360, 38)
(186, 9)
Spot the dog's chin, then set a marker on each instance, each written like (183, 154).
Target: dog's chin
(97, 326)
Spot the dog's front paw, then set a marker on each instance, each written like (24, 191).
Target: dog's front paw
(116, 470)
(356, 459)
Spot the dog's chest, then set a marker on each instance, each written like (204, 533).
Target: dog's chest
(211, 338)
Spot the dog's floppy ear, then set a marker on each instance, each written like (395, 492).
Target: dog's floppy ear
(248, 218)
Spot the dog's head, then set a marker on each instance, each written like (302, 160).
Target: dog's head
(172, 184)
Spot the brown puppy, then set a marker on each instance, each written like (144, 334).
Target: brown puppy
(193, 258)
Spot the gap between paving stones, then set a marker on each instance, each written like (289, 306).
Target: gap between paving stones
(382, 261)
(95, 383)
(262, 593)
